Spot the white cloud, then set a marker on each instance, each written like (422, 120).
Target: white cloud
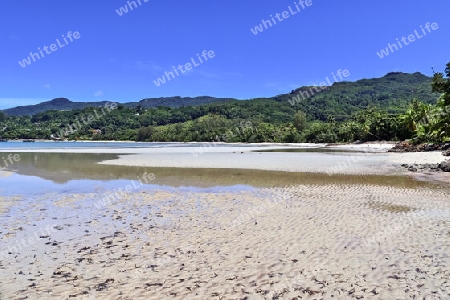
(47, 86)
(99, 93)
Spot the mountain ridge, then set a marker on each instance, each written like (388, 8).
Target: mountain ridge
(394, 90)
(66, 104)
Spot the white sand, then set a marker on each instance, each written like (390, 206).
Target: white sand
(433, 157)
(308, 241)
(365, 159)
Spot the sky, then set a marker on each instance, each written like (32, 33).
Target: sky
(118, 56)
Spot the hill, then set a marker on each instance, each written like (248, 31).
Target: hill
(368, 109)
(55, 104)
(66, 104)
(392, 92)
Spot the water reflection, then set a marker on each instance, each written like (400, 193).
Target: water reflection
(64, 167)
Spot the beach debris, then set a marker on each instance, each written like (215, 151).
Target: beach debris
(104, 285)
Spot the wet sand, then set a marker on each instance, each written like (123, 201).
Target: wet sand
(311, 241)
(362, 159)
(349, 233)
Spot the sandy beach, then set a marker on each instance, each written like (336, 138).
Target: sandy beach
(324, 239)
(314, 242)
(153, 159)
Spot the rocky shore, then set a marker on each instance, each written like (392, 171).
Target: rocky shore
(407, 147)
(444, 166)
(441, 167)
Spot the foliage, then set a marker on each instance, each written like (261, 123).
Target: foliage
(442, 85)
(392, 92)
(431, 123)
(366, 110)
(300, 121)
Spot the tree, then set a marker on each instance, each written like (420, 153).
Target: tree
(300, 121)
(440, 128)
(442, 85)
(2, 116)
(145, 133)
(139, 109)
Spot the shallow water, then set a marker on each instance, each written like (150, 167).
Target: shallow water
(77, 171)
(184, 210)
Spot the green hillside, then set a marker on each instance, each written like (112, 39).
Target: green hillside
(392, 92)
(368, 109)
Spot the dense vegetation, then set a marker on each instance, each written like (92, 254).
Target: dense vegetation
(371, 109)
(392, 92)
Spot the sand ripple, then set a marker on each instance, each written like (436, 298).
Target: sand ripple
(300, 242)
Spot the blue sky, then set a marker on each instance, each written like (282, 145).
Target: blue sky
(117, 58)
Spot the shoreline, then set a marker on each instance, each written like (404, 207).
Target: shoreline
(352, 159)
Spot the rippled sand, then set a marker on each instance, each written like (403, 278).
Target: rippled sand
(310, 241)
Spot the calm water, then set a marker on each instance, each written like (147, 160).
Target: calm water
(79, 172)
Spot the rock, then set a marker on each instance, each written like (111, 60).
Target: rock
(407, 147)
(445, 166)
(446, 153)
(412, 169)
(401, 147)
